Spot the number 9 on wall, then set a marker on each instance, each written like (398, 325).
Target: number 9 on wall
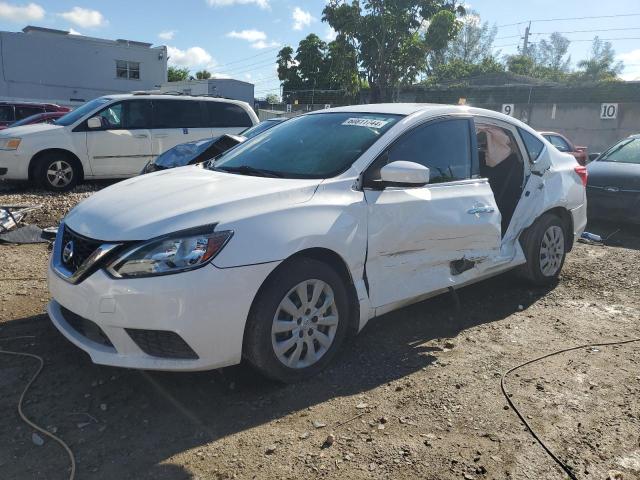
(508, 108)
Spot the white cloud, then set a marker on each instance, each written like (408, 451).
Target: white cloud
(21, 13)
(74, 32)
(225, 3)
(261, 44)
(220, 75)
(301, 18)
(83, 17)
(330, 34)
(632, 64)
(248, 35)
(167, 35)
(191, 57)
(257, 38)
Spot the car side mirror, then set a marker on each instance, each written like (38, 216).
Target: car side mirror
(405, 174)
(94, 122)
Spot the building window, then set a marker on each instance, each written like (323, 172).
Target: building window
(130, 70)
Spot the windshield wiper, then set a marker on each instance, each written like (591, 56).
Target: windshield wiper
(247, 170)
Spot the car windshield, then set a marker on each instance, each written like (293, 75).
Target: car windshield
(259, 128)
(311, 146)
(627, 151)
(75, 115)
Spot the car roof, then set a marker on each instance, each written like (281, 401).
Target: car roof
(434, 109)
(153, 96)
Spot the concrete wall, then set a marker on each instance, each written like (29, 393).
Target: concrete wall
(54, 66)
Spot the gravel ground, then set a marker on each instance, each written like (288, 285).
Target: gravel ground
(416, 395)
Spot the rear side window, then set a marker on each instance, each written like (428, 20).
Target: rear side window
(224, 115)
(177, 114)
(137, 114)
(24, 112)
(444, 147)
(559, 143)
(6, 113)
(533, 145)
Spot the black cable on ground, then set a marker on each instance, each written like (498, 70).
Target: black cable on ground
(562, 465)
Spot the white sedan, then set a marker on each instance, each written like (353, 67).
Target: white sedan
(286, 244)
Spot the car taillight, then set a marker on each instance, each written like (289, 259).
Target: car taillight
(581, 170)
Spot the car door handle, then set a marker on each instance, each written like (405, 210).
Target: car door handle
(480, 209)
(141, 135)
(161, 135)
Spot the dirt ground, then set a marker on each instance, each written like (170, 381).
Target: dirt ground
(415, 395)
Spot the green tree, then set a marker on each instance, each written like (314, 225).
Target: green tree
(175, 74)
(272, 98)
(203, 75)
(393, 37)
(288, 69)
(311, 60)
(472, 44)
(552, 54)
(520, 64)
(457, 72)
(601, 65)
(342, 70)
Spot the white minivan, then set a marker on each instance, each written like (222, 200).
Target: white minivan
(114, 137)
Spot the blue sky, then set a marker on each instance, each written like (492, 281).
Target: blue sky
(240, 38)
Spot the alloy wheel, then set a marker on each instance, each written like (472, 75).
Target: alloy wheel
(551, 251)
(59, 173)
(305, 324)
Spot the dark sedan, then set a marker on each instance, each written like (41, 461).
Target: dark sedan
(199, 151)
(613, 189)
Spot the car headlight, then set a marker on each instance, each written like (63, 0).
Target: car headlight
(174, 253)
(10, 143)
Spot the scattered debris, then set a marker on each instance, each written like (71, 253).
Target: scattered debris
(271, 449)
(615, 475)
(329, 441)
(362, 405)
(590, 239)
(319, 424)
(449, 345)
(37, 439)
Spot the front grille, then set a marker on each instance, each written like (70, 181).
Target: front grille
(86, 327)
(82, 249)
(162, 343)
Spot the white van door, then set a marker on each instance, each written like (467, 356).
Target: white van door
(425, 239)
(177, 121)
(121, 146)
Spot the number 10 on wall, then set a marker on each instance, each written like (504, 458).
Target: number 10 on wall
(608, 111)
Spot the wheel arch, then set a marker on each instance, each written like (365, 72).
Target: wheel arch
(36, 158)
(335, 261)
(567, 221)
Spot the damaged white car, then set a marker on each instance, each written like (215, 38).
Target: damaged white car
(284, 245)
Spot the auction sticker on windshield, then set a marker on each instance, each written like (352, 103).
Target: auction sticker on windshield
(365, 122)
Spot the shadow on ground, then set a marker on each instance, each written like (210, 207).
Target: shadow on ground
(152, 416)
(616, 234)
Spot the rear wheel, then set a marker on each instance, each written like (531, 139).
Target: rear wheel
(57, 171)
(298, 322)
(544, 245)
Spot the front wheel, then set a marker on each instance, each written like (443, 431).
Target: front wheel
(544, 245)
(298, 321)
(57, 172)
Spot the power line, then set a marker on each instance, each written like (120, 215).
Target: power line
(249, 58)
(574, 31)
(576, 40)
(570, 18)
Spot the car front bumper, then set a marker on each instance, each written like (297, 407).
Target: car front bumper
(13, 165)
(206, 308)
(617, 206)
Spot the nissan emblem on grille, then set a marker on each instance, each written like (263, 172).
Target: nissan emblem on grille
(67, 252)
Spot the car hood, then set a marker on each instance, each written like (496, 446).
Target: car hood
(171, 200)
(613, 174)
(26, 130)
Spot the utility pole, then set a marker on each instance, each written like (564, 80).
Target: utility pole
(525, 47)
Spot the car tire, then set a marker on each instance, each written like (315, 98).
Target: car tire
(545, 246)
(57, 171)
(281, 330)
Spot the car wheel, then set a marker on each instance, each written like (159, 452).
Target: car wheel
(544, 245)
(298, 321)
(57, 172)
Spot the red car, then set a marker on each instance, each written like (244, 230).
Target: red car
(563, 144)
(14, 111)
(47, 117)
